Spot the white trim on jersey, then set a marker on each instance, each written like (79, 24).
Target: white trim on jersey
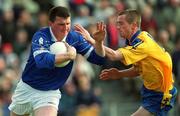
(88, 52)
(37, 52)
(53, 37)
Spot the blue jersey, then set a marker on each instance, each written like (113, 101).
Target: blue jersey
(40, 71)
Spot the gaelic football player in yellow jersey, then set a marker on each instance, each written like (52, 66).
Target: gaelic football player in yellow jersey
(149, 61)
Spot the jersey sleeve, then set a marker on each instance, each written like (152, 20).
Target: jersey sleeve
(133, 54)
(41, 53)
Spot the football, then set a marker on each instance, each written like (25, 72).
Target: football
(59, 48)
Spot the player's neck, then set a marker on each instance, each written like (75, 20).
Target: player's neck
(131, 34)
(59, 37)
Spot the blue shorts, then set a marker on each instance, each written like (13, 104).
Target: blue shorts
(152, 101)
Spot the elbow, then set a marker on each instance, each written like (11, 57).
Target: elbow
(42, 64)
(45, 61)
(113, 55)
(112, 58)
(39, 64)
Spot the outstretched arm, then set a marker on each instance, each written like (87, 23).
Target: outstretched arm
(100, 34)
(114, 74)
(97, 41)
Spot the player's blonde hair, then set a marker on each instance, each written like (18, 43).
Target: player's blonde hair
(132, 16)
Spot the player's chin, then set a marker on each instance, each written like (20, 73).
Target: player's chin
(65, 33)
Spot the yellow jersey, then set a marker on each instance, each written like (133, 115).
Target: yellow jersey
(152, 61)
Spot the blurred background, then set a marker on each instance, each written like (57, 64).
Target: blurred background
(84, 94)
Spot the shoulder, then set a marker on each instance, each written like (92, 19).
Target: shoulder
(145, 35)
(42, 34)
(74, 35)
(45, 32)
(137, 42)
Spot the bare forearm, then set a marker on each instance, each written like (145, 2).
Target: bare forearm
(112, 54)
(60, 58)
(114, 73)
(99, 48)
(130, 73)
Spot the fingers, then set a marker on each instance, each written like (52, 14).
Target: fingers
(78, 27)
(69, 47)
(105, 75)
(72, 52)
(101, 26)
(66, 44)
(73, 49)
(108, 74)
(104, 27)
(98, 25)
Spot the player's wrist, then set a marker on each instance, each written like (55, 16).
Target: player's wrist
(90, 40)
(99, 42)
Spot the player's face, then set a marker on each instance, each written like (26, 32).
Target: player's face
(61, 26)
(124, 28)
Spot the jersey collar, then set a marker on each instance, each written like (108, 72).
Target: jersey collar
(128, 42)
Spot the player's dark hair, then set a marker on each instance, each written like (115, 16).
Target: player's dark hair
(132, 16)
(58, 11)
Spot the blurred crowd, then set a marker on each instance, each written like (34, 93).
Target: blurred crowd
(19, 19)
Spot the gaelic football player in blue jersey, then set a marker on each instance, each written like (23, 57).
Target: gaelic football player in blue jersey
(38, 90)
(149, 61)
